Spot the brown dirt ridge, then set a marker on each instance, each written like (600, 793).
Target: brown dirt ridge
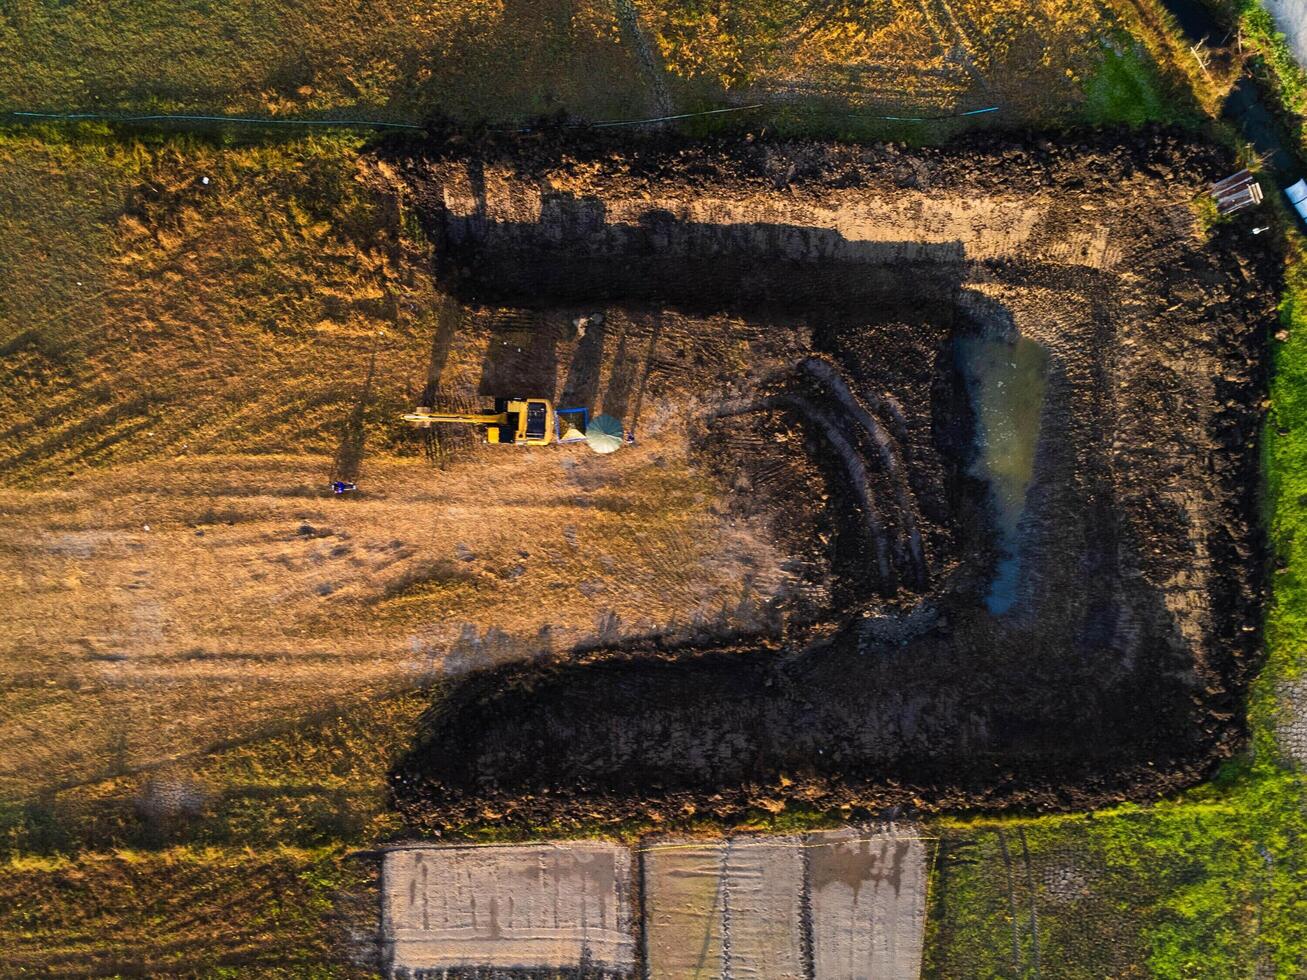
(1119, 668)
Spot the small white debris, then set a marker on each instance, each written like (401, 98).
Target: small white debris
(146, 526)
(204, 180)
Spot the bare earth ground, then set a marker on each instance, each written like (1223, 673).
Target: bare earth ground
(132, 301)
(148, 395)
(180, 602)
(1120, 668)
(223, 335)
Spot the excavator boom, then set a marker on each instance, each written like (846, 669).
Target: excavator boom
(471, 418)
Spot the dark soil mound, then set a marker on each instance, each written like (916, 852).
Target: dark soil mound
(1120, 667)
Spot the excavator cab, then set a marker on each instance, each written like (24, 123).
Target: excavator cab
(527, 422)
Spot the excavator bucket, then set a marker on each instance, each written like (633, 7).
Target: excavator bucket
(419, 417)
(571, 423)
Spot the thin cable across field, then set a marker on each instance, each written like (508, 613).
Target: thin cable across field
(23, 116)
(26, 116)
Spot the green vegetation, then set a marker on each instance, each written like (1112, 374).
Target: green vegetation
(1208, 215)
(321, 782)
(855, 62)
(1126, 87)
(238, 859)
(1203, 886)
(1269, 59)
(1260, 34)
(1286, 468)
(1259, 28)
(191, 911)
(383, 59)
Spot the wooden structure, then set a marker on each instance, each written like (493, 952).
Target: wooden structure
(1236, 192)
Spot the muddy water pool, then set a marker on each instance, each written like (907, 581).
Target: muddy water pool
(1005, 378)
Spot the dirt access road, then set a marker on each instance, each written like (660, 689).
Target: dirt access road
(1049, 599)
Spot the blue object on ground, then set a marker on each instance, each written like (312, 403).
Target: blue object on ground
(571, 418)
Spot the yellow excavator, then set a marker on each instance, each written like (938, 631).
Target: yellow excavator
(515, 421)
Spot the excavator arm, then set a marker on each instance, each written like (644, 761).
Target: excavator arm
(425, 417)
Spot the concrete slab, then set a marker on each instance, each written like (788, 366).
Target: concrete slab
(728, 908)
(1292, 727)
(539, 906)
(839, 905)
(867, 900)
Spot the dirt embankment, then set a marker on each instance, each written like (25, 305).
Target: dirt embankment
(1119, 668)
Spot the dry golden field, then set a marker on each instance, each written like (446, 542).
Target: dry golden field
(509, 59)
(201, 646)
(183, 574)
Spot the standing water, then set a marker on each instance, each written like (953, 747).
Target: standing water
(1005, 380)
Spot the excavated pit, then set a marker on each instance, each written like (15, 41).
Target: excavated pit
(1009, 405)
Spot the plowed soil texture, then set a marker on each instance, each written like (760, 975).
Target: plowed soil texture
(1047, 594)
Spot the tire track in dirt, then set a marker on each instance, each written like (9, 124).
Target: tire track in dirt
(629, 20)
(889, 455)
(852, 460)
(951, 37)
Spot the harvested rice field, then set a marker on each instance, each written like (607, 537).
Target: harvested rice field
(594, 59)
(939, 612)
